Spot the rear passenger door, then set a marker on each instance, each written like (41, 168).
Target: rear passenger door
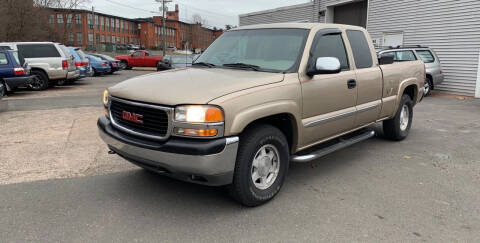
(369, 78)
(328, 99)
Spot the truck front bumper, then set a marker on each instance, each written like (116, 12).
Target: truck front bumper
(198, 161)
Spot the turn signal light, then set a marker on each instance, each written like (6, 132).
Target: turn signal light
(196, 132)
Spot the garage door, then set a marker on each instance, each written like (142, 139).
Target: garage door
(352, 14)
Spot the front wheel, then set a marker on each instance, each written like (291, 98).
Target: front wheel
(398, 127)
(261, 166)
(3, 89)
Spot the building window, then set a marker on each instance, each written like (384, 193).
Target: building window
(121, 26)
(60, 18)
(101, 23)
(107, 24)
(78, 20)
(96, 22)
(102, 39)
(90, 21)
(118, 39)
(117, 24)
(69, 20)
(113, 39)
(51, 19)
(90, 38)
(79, 38)
(112, 26)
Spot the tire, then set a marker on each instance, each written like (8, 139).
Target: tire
(62, 82)
(40, 82)
(125, 65)
(397, 128)
(3, 89)
(428, 86)
(263, 153)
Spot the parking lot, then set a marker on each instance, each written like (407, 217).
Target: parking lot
(58, 183)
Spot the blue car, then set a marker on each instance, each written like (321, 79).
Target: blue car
(99, 66)
(114, 63)
(81, 62)
(12, 73)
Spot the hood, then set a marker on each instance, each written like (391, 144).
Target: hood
(190, 86)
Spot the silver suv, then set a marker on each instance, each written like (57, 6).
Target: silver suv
(433, 67)
(50, 62)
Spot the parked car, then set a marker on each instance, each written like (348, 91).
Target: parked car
(174, 61)
(433, 66)
(258, 98)
(99, 66)
(133, 47)
(72, 69)
(81, 62)
(171, 48)
(140, 58)
(115, 64)
(47, 60)
(13, 72)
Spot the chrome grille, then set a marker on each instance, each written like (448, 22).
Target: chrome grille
(155, 120)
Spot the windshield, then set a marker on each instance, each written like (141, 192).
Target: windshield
(109, 58)
(269, 49)
(81, 54)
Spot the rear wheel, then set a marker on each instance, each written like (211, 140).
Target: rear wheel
(428, 86)
(40, 81)
(398, 127)
(261, 166)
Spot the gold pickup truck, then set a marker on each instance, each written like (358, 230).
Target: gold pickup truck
(259, 98)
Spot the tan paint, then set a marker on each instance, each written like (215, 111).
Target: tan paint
(322, 106)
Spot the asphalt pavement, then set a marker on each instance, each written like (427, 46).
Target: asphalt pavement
(423, 189)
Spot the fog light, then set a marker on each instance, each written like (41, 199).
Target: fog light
(105, 111)
(196, 132)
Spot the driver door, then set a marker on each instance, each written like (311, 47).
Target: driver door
(329, 100)
(137, 58)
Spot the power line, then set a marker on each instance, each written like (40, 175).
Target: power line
(128, 6)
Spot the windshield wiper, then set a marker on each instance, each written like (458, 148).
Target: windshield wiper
(205, 64)
(243, 65)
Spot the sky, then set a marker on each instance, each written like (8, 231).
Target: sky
(217, 13)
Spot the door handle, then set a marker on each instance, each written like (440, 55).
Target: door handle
(352, 83)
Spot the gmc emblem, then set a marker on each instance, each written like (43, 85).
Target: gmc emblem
(132, 117)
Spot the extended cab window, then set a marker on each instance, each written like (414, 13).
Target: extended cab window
(331, 46)
(3, 59)
(361, 49)
(426, 56)
(404, 56)
(38, 50)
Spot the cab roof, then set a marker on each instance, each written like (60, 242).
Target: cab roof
(297, 26)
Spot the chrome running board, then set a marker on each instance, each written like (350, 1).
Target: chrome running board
(342, 143)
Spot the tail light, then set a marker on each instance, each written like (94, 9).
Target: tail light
(104, 64)
(18, 71)
(441, 71)
(64, 64)
(81, 64)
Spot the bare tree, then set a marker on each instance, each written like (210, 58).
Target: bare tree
(197, 19)
(67, 7)
(22, 21)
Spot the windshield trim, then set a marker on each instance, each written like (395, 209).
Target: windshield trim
(293, 69)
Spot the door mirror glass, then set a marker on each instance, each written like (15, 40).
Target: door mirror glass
(386, 58)
(326, 65)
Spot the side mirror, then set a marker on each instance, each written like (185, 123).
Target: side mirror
(386, 58)
(325, 65)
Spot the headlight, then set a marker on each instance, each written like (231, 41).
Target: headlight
(198, 114)
(106, 98)
(198, 121)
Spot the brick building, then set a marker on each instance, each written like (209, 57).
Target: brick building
(85, 29)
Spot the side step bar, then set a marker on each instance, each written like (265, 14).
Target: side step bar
(343, 143)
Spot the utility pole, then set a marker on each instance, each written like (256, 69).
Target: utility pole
(164, 23)
(93, 23)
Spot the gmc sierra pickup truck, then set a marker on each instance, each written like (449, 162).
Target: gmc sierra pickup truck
(259, 98)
